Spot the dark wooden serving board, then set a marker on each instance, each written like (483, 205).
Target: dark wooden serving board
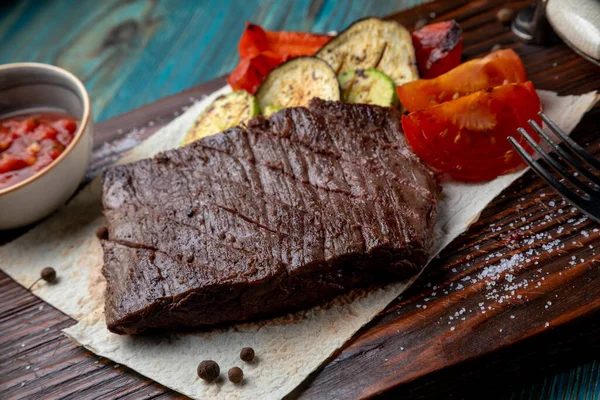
(422, 345)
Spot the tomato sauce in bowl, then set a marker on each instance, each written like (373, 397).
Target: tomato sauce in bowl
(30, 142)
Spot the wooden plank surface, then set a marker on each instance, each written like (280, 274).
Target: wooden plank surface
(131, 53)
(411, 347)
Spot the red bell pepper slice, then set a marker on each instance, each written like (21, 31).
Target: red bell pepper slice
(261, 51)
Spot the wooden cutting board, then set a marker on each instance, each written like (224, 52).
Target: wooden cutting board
(515, 297)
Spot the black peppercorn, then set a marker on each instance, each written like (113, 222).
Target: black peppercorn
(102, 233)
(247, 354)
(48, 274)
(208, 370)
(235, 375)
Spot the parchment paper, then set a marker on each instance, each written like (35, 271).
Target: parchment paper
(288, 348)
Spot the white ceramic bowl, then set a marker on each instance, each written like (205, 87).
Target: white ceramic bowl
(31, 85)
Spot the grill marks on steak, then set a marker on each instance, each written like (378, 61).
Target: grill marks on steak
(273, 217)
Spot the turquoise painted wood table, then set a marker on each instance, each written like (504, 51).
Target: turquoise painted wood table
(130, 53)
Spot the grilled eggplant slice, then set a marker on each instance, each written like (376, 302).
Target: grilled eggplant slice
(295, 82)
(368, 86)
(225, 112)
(373, 43)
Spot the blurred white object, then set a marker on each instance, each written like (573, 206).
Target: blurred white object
(577, 22)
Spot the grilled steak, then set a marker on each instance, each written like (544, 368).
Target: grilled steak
(270, 218)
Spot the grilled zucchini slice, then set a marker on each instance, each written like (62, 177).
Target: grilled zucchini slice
(295, 82)
(368, 86)
(225, 112)
(373, 43)
(270, 110)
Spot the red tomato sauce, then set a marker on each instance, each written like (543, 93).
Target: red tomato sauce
(30, 142)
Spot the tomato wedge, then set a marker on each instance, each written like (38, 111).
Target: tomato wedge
(438, 48)
(495, 69)
(467, 138)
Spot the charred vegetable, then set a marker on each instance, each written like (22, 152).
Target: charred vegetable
(261, 51)
(297, 81)
(368, 86)
(438, 48)
(495, 69)
(467, 138)
(225, 112)
(373, 43)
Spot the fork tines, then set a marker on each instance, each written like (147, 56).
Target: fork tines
(587, 199)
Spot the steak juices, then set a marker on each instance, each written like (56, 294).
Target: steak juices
(281, 215)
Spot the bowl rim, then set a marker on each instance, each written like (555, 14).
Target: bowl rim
(85, 119)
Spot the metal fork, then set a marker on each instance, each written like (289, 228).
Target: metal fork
(587, 198)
